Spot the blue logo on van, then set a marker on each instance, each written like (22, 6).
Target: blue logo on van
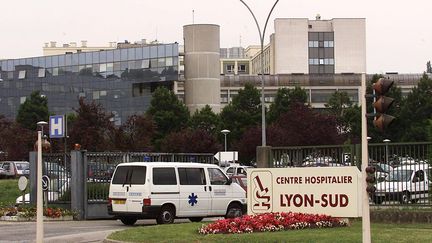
(193, 199)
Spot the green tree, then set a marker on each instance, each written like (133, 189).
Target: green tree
(33, 110)
(417, 111)
(243, 112)
(284, 99)
(205, 119)
(338, 103)
(168, 112)
(91, 127)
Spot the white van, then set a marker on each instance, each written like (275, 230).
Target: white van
(168, 190)
(407, 183)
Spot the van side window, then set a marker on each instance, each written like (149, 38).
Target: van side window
(418, 176)
(133, 175)
(217, 177)
(192, 176)
(164, 176)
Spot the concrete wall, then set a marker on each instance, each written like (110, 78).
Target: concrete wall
(291, 46)
(202, 66)
(350, 45)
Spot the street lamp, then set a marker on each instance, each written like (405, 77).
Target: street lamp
(225, 132)
(261, 35)
(386, 141)
(39, 199)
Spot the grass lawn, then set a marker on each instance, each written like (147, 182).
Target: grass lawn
(9, 191)
(188, 232)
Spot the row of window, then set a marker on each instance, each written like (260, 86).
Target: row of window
(241, 68)
(84, 58)
(167, 176)
(321, 44)
(109, 68)
(321, 61)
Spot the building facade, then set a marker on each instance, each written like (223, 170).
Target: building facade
(121, 80)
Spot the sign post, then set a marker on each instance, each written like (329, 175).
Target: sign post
(39, 208)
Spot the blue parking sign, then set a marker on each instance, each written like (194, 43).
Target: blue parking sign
(57, 126)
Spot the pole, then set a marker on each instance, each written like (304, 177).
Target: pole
(225, 142)
(366, 235)
(39, 208)
(263, 120)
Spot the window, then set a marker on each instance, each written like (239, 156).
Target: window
(192, 176)
(328, 44)
(132, 175)
(217, 177)
(242, 68)
(41, 73)
(164, 176)
(230, 68)
(230, 171)
(23, 99)
(313, 43)
(55, 72)
(22, 74)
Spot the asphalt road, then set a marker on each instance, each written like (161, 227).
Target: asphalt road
(64, 231)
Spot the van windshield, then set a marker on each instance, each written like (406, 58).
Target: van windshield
(130, 175)
(400, 175)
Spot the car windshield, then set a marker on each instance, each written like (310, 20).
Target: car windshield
(22, 166)
(400, 175)
(385, 167)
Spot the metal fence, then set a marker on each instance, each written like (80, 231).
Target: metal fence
(403, 170)
(101, 165)
(57, 168)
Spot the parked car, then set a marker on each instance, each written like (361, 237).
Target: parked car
(234, 170)
(407, 183)
(100, 171)
(382, 171)
(14, 169)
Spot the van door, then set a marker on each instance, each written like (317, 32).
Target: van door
(194, 192)
(221, 193)
(127, 188)
(136, 189)
(420, 185)
(165, 187)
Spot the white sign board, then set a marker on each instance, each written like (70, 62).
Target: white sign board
(57, 126)
(333, 191)
(230, 156)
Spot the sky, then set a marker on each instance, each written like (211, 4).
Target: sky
(398, 33)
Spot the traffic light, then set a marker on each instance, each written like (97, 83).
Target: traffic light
(382, 103)
(370, 179)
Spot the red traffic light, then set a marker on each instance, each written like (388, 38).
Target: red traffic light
(370, 169)
(370, 189)
(383, 103)
(383, 121)
(382, 86)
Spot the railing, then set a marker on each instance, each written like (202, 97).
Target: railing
(58, 169)
(403, 170)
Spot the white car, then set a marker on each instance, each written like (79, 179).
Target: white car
(236, 170)
(15, 169)
(407, 183)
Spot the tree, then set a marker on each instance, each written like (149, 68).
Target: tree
(416, 112)
(135, 134)
(33, 110)
(338, 103)
(190, 141)
(168, 112)
(243, 112)
(428, 67)
(205, 119)
(284, 99)
(15, 141)
(91, 127)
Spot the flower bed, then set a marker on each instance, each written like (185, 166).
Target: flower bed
(29, 213)
(270, 222)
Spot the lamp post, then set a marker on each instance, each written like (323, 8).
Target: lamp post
(225, 132)
(39, 201)
(386, 141)
(261, 35)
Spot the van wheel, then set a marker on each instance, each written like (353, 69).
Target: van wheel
(405, 198)
(166, 215)
(378, 200)
(414, 200)
(128, 220)
(234, 210)
(196, 219)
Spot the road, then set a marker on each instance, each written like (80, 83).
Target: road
(64, 231)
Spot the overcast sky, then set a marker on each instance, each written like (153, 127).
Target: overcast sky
(398, 33)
